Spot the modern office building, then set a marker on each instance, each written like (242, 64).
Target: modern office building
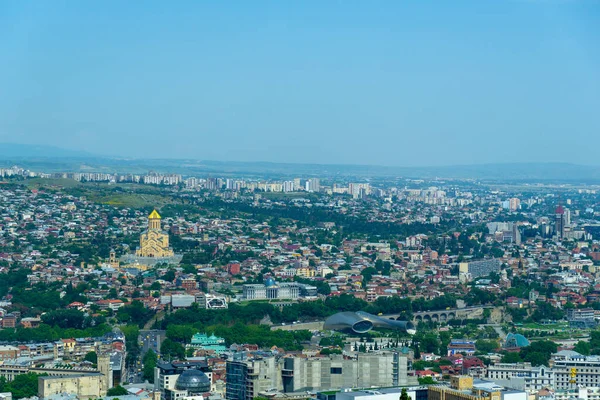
(260, 374)
(559, 222)
(249, 376)
(335, 372)
(505, 232)
(181, 380)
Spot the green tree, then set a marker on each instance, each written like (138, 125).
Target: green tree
(135, 313)
(65, 319)
(486, 346)
(367, 274)
(417, 351)
(131, 333)
(430, 343)
(427, 380)
(150, 360)
(538, 353)
(91, 357)
(478, 296)
(583, 348)
(536, 358)
(24, 385)
(169, 276)
(117, 391)
(181, 333)
(511, 358)
(172, 350)
(328, 351)
(404, 395)
(545, 311)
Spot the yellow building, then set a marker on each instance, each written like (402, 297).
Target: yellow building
(461, 388)
(306, 272)
(154, 242)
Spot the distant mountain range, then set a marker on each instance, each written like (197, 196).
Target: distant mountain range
(53, 159)
(15, 151)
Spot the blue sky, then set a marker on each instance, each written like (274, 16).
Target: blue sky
(406, 83)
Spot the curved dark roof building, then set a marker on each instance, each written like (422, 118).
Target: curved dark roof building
(194, 381)
(362, 322)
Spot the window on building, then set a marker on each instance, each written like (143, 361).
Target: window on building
(336, 370)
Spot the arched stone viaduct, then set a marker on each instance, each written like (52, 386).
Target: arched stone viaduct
(444, 315)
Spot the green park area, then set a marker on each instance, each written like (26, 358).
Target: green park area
(546, 326)
(131, 200)
(37, 183)
(116, 195)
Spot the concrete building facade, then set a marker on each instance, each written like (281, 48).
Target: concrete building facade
(247, 378)
(84, 386)
(335, 372)
(521, 376)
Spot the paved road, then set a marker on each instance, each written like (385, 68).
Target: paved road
(157, 318)
(151, 340)
(134, 376)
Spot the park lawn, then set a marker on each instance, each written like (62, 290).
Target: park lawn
(284, 195)
(36, 183)
(544, 327)
(133, 200)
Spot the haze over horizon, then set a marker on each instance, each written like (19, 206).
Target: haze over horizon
(410, 84)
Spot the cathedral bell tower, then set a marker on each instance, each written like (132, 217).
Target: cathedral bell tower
(154, 221)
(154, 242)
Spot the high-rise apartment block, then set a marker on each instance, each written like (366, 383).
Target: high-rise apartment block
(313, 185)
(247, 377)
(359, 190)
(559, 221)
(475, 269)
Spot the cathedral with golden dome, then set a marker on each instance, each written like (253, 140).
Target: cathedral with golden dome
(154, 242)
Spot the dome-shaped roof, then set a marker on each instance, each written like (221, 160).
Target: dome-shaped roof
(194, 381)
(270, 282)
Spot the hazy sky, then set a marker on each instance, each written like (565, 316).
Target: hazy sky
(365, 82)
